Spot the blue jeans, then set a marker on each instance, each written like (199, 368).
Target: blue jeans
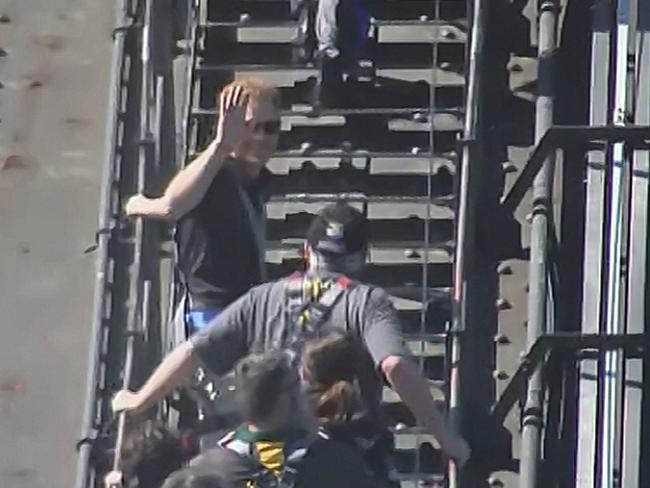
(197, 320)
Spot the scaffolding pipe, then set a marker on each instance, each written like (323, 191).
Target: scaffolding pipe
(427, 219)
(616, 231)
(538, 291)
(465, 223)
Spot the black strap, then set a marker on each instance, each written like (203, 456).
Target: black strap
(321, 310)
(318, 311)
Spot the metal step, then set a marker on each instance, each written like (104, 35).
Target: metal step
(377, 165)
(406, 233)
(383, 54)
(439, 31)
(351, 180)
(305, 114)
(391, 10)
(295, 72)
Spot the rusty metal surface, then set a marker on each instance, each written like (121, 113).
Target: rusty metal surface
(52, 105)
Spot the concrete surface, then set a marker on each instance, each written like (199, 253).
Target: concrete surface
(52, 106)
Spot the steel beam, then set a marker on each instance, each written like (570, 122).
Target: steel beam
(637, 260)
(599, 109)
(538, 268)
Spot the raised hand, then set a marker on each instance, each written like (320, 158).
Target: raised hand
(233, 127)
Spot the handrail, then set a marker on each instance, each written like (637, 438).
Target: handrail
(465, 218)
(106, 225)
(632, 344)
(557, 136)
(139, 291)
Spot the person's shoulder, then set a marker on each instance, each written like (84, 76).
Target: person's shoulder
(369, 292)
(264, 290)
(218, 192)
(225, 461)
(217, 456)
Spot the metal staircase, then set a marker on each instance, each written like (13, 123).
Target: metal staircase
(389, 147)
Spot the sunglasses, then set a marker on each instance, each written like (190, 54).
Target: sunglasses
(270, 127)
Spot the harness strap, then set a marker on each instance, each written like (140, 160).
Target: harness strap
(266, 478)
(303, 309)
(320, 311)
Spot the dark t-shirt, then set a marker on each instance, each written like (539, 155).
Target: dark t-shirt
(258, 322)
(327, 464)
(218, 254)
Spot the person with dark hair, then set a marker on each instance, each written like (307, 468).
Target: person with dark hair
(331, 366)
(150, 452)
(196, 477)
(267, 390)
(277, 444)
(286, 313)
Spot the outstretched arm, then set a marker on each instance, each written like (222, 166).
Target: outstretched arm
(216, 348)
(413, 389)
(185, 191)
(172, 372)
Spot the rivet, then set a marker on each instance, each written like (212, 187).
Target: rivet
(419, 117)
(447, 33)
(305, 147)
(411, 253)
(504, 269)
(495, 482)
(501, 339)
(503, 304)
(499, 374)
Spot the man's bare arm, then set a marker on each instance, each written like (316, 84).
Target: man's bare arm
(190, 185)
(172, 372)
(185, 191)
(414, 391)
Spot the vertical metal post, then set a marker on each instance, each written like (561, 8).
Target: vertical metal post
(613, 316)
(426, 296)
(594, 242)
(538, 292)
(465, 222)
(158, 122)
(144, 151)
(633, 463)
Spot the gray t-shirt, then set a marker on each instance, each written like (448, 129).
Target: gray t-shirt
(259, 321)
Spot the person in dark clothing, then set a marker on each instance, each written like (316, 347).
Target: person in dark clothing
(217, 203)
(286, 313)
(150, 452)
(341, 30)
(277, 445)
(330, 366)
(336, 31)
(196, 477)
